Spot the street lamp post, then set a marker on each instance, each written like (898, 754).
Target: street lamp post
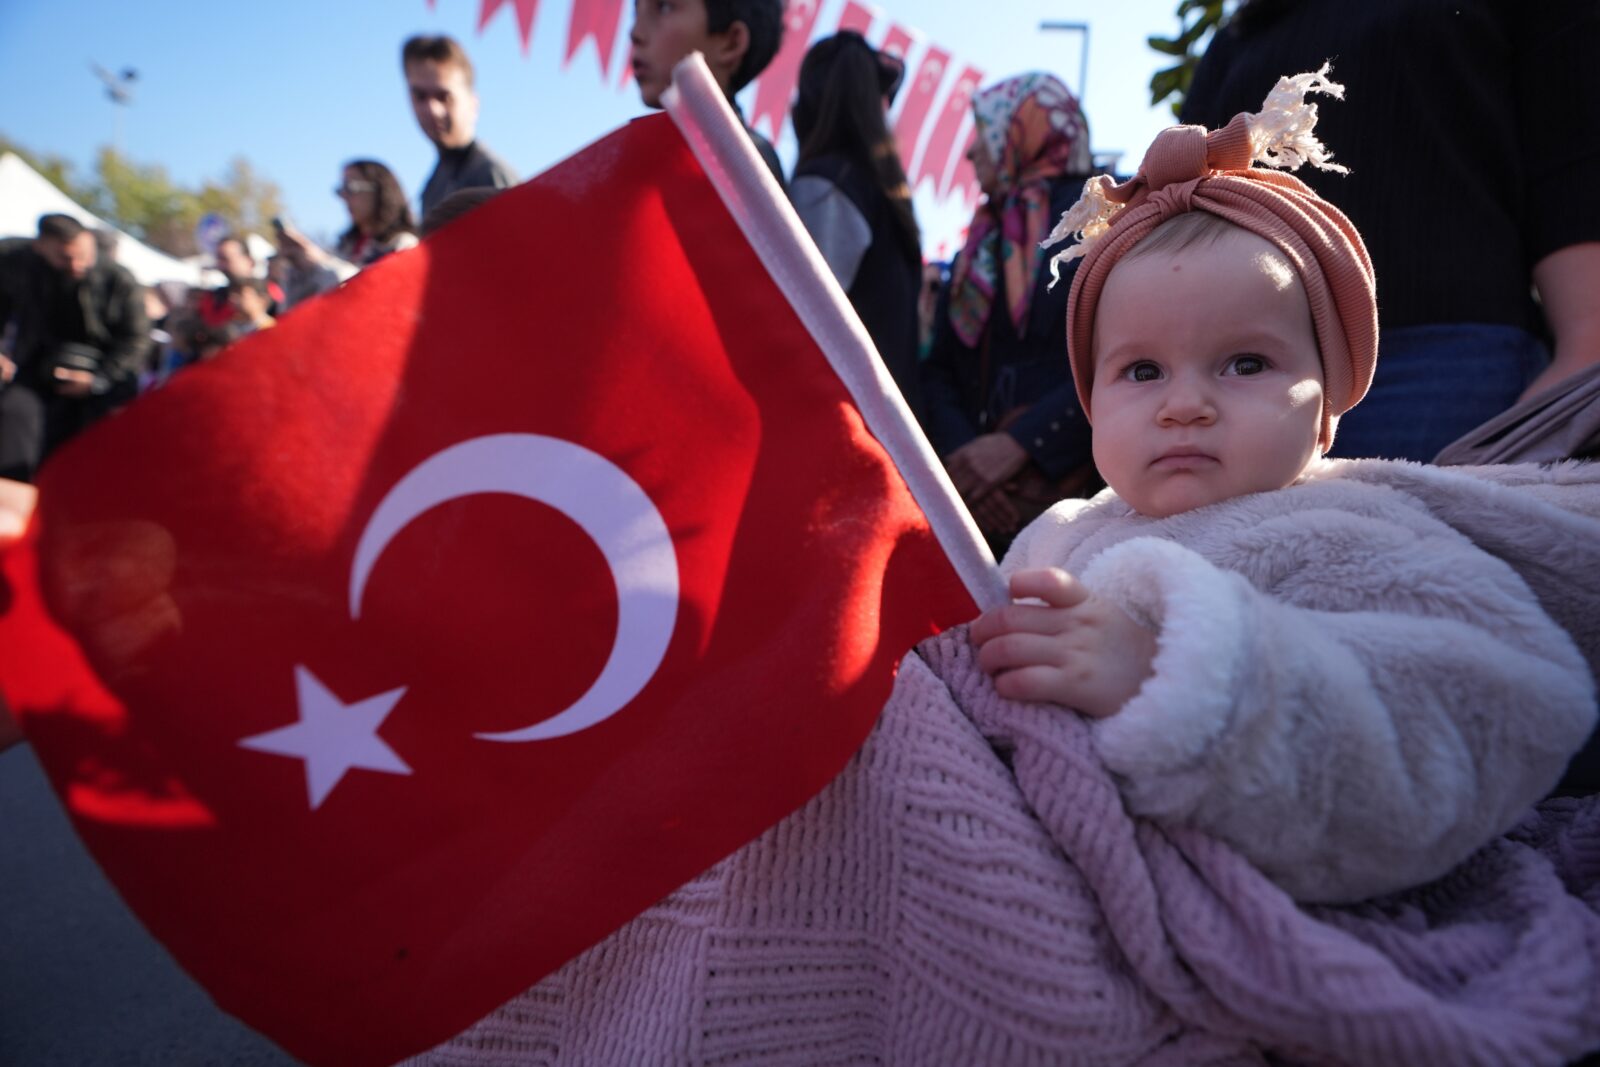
(119, 88)
(1103, 161)
(1082, 30)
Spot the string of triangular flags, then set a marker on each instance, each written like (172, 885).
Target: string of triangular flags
(931, 116)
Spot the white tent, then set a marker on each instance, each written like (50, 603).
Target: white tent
(25, 194)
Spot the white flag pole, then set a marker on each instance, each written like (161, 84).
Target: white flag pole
(723, 147)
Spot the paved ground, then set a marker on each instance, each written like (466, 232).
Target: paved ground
(81, 983)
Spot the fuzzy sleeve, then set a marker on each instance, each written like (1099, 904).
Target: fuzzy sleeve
(1346, 752)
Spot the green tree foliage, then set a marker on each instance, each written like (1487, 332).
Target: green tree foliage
(1197, 21)
(143, 200)
(243, 197)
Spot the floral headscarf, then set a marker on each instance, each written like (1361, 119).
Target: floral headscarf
(1034, 130)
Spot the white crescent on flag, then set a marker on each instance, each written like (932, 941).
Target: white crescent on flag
(594, 493)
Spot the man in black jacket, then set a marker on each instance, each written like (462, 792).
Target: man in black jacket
(77, 332)
(445, 102)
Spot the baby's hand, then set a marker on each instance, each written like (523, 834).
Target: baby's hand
(1077, 649)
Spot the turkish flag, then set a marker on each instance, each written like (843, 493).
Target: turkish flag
(776, 84)
(942, 144)
(598, 19)
(917, 100)
(856, 17)
(526, 11)
(407, 649)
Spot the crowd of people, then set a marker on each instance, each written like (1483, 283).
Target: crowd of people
(975, 344)
(80, 338)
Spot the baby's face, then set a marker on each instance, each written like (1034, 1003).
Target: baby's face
(1207, 383)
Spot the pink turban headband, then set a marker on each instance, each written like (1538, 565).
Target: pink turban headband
(1188, 169)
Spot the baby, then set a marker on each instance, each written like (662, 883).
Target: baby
(1310, 659)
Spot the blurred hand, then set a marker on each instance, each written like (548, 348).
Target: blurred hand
(8, 369)
(996, 515)
(71, 382)
(17, 501)
(983, 463)
(296, 247)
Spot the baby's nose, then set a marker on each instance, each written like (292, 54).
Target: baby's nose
(1186, 402)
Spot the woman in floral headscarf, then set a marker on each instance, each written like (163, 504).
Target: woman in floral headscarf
(1001, 408)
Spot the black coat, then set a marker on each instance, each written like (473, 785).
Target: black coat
(104, 311)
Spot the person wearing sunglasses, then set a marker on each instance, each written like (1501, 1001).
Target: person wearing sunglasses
(380, 218)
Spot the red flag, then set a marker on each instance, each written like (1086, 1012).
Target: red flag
(526, 11)
(422, 640)
(917, 99)
(598, 19)
(942, 142)
(961, 177)
(857, 17)
(775, 87)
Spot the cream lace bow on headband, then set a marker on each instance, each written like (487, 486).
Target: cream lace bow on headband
(1279, 135)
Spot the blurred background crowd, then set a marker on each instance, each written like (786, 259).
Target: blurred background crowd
(1469, 130)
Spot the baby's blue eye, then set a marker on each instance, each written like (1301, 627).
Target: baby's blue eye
(1143, 371)
(1244, 365)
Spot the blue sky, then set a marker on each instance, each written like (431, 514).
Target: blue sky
(299, 87)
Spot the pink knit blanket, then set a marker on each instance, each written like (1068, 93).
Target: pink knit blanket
(970, 890)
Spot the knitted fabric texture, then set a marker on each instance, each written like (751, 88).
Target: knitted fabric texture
(1188, 169)
(970, 889)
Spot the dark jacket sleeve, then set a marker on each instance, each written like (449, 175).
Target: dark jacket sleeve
(1558, 119)
(1053, 429)
(1054, 432)
(126, 328)
(769, 156)
(12, 254)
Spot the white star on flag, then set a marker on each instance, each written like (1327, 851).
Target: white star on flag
(332, 737)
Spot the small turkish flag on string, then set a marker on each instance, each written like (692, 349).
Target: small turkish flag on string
(776, 85)
(943, 147)
(917, 101)
(526, 11)
(597, 19)
(856, 17)
(406, 650)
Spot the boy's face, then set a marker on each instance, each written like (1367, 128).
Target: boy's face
(1207, 382)
(664, 32)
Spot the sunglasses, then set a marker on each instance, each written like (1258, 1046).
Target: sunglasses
(352, 188)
